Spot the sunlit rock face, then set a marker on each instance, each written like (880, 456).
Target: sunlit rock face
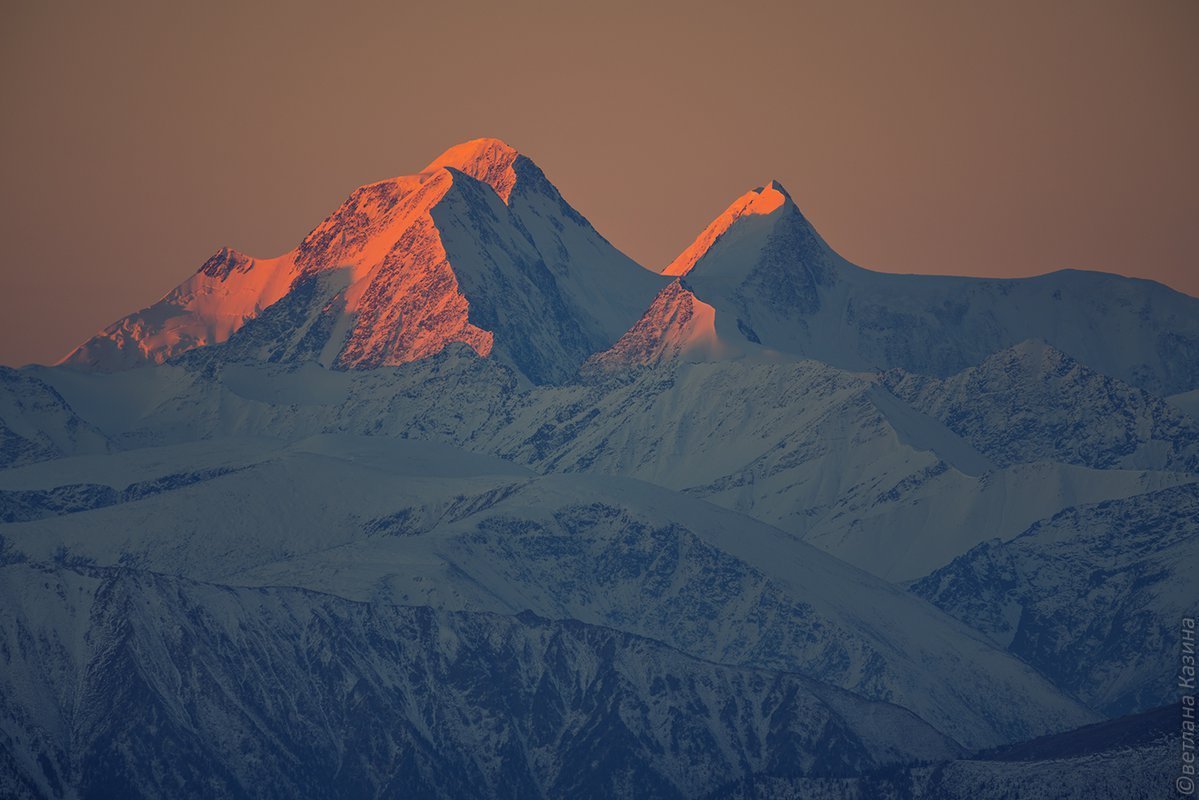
(478, 248)
(677, 327)
(455, 500)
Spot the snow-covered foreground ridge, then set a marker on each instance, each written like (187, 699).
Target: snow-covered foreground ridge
(456, 500)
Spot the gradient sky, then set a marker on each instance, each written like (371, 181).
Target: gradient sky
(979, 138)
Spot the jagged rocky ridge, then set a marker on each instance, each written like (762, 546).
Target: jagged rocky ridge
(1093, 597)
(396, 522)
(1034, 403)
(36, 424)
(1130, 758)
(286, 693)
(480, 248)
(906, 497)
(904, 424)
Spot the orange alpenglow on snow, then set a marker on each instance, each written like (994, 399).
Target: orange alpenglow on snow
(764, 200)
(487, 160)
(677, 327)
(403, 294)
(229, 289)
(414, 276)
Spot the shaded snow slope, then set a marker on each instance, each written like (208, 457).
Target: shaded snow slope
(677, 327)
(1034, 403)
(1093, 596)
(357, 518)
(827, 455)
(123, 683)
(479, 248)
(454, 499)
(37, 424)
(764, 265)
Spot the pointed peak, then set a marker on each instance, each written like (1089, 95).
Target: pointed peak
(776, 186)
(489, 160)
(761, 201)
(1032, 353)
(476, 153)
(225, 262)
(678, 326)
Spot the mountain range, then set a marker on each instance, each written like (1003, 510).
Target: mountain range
(456, 499)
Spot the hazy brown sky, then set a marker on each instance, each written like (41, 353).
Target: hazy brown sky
(981, 138)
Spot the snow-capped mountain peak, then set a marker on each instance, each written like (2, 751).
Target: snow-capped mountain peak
(478, 248)
(481, 248)
(762, 201)
(762, 264)
(677, 327)
(489, 160)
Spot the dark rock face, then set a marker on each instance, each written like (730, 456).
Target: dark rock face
(454, 393)
(478, 249)
(284, 693)
(1034, 403)
(224, 263)
(1131, 757)
(22, 506)
(37, 424)
(1093, 597)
